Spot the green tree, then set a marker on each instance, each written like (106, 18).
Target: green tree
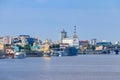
(93, 47)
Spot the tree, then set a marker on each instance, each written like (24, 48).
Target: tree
(93, 47)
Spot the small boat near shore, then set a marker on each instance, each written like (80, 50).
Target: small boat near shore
(2, 56)
(19, 55)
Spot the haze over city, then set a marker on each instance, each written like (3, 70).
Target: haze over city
(46, 18)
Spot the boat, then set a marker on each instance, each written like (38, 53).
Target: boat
(2, 56)
(69, 51)
(19, 55)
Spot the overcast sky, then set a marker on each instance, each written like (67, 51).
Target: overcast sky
(46, 18)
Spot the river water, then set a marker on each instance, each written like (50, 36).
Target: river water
(82, 67)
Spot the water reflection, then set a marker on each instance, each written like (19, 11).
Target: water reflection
(47, 58)
(47, 63)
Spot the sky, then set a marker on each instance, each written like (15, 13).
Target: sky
(46, 18)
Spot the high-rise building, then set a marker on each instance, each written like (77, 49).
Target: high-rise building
(63, 35)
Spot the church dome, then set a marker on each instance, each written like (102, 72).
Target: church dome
(75, 36)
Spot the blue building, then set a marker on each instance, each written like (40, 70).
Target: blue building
(104, 43)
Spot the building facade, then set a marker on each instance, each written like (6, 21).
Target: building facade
(5, 40)
(63, 35)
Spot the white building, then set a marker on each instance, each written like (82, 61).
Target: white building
(63, 34)
(5, 40)
(93, 41)
(68, 41)
(75, 39)
(21, 40)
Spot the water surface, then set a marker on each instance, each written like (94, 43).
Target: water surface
(83, 67)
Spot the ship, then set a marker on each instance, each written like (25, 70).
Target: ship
(69, 51)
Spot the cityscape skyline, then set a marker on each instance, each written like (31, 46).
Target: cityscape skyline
(47, 18)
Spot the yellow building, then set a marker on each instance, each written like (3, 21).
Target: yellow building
(1, 46)
(99, 48)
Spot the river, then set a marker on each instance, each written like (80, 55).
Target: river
(82, 67)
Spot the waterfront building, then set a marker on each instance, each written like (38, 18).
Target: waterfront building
(16, 40)
(25, 36)
(63, 35)
(35, 47)
(1, 48)
(104, 43)
(5, 40)
(68, 41)
(99, 47)
(93, 41)
(23, 39)
(30, 41)
(117, 43)
(19, 41)
(83, 42)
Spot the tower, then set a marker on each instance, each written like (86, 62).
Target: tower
(75, 38)
(75, 34)
(63, 35)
